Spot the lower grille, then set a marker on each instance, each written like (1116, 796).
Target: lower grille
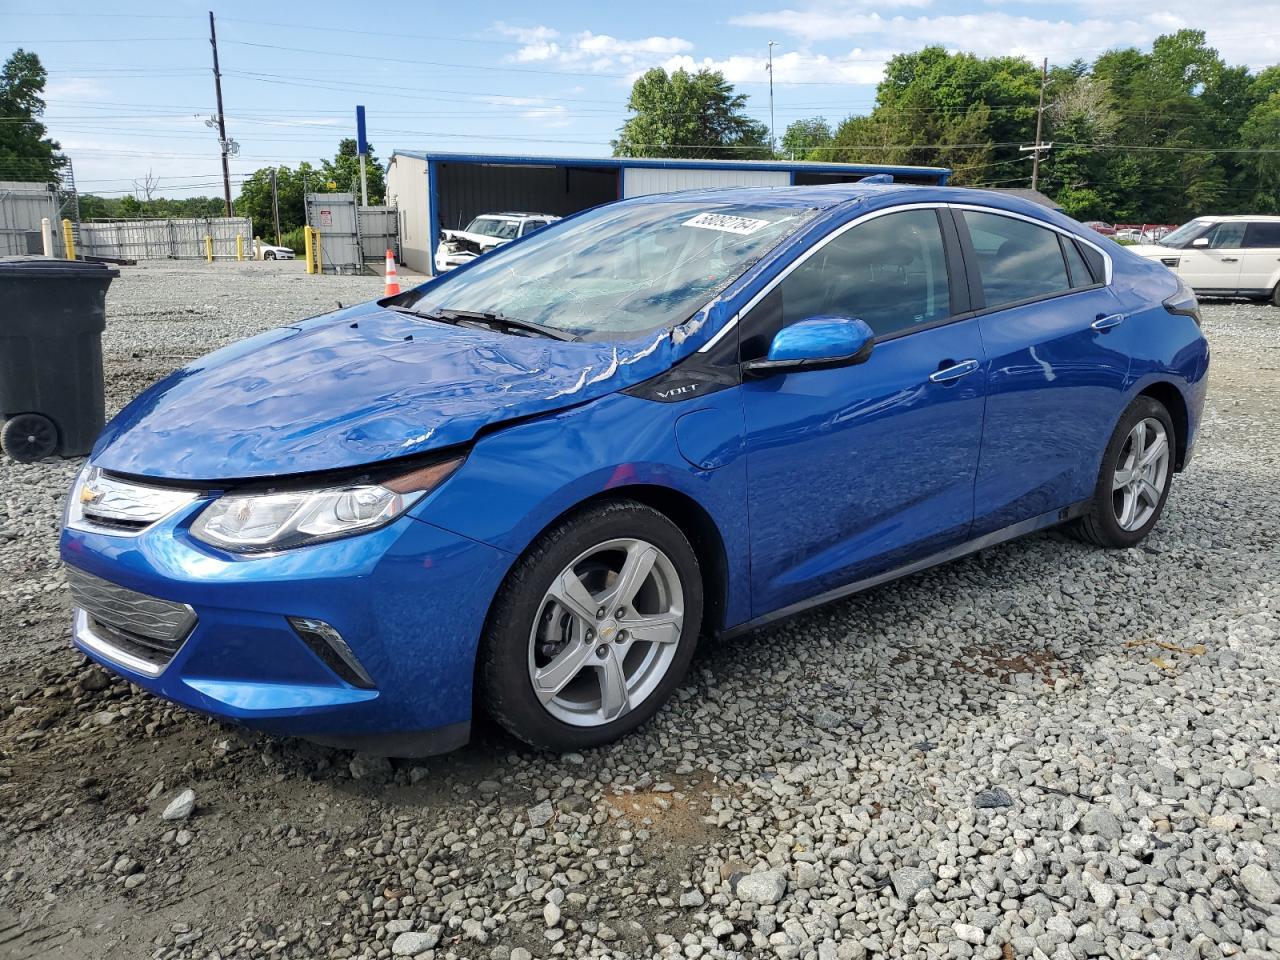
(130, 627)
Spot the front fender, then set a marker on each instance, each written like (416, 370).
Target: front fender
(519, 479)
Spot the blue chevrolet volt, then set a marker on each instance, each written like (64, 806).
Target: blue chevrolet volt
(528, 487)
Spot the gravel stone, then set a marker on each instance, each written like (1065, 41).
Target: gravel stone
(1262, 886)
(908, 882)
(181, 806)
(992, 798)
(766, 887)
(414, 942)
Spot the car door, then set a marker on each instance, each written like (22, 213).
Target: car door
(1211, 262)
(858, 469)
(1260, 257)
(1056, 368)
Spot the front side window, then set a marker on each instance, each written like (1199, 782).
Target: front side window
(1263, 234)
(1226, 236)
(621, 269)
(890, 272)
(1184, 234)
(1017, 260)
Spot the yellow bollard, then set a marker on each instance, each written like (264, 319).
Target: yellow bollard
(310, 253)
(68, 239)
(239, 246)
(208, 247)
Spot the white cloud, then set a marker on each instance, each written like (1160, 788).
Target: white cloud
(858, 66)
(595, 52)
(74, 88)
(1093, 29)
(549, 116)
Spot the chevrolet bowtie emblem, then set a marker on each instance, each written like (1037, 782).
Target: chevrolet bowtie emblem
(89, 494)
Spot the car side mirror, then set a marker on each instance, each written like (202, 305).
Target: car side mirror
(1200, 242)
(818, 343)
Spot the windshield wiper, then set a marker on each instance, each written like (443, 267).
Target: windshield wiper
(500, 320)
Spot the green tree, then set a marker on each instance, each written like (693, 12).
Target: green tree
(25, 152)
(689, 115)
(291, 185)
(344, 171)
(807, 139)
(938, 108)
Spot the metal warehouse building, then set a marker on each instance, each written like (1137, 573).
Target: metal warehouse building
(435, 191)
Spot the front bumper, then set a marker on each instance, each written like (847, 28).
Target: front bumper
(409, 600)
(447, 261)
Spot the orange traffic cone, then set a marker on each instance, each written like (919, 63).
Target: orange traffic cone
(393, 281)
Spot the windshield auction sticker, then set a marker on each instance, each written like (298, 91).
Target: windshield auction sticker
(725, 223)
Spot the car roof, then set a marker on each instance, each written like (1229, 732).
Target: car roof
(1226, 218)
(829, 197)
(516, 216)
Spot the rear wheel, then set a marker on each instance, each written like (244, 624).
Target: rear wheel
(29, 437)
(268, 255)
(1275, 295)
(1133, 485)
(593, 629)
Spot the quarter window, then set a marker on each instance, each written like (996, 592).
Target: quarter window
(1017, 260)
(1079, 270)
(1265, 234)
(890, 272)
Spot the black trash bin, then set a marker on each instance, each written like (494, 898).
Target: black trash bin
(52, 314)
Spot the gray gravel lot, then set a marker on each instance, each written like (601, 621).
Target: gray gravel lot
(1042, 751)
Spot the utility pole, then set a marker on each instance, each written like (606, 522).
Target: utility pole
(222, 120)
(772, 44)
(1035, 156)
(275, 205)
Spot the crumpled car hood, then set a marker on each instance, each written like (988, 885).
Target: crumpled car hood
(360, 386)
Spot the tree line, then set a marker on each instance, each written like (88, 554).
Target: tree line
(1137, 137)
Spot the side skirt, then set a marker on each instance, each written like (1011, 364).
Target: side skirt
(1011, 532)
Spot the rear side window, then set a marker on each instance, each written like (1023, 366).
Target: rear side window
(1016, 260)
(1076, 266)
(1262, 235)
(1226, 236)
(890, 272)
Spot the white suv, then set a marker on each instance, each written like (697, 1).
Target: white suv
(485, 232)
(1224, 256)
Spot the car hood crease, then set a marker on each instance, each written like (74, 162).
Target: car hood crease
(361, 386)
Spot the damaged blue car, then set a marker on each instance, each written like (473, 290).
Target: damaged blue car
(531, 485)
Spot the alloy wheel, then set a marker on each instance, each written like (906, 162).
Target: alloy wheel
(1141, 472)
(606, 632)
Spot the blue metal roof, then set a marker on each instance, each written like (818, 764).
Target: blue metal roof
(788, 166)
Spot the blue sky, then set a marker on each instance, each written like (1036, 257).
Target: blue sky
(129, 89)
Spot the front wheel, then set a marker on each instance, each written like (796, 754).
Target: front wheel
(268, 255)
(1275, 296)
(593, 629)
(1133, 485)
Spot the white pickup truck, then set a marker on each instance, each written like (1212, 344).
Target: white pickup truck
(482, 234)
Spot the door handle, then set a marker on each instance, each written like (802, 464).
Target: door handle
(1107, 322)
(1230, 259)
(954, 372)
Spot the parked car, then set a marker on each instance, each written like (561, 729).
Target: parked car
(533, 484)
(1236, 256)
(272, 252)
(1098, 226)
(483, 234)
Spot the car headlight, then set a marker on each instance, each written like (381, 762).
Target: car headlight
(278, 519)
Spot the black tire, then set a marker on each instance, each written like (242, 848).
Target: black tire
(1100, 526)
(504, 683)
(268, 255)
(1275, 296)
(29, 437)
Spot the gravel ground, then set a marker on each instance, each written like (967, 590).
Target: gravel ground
(1042, 751)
